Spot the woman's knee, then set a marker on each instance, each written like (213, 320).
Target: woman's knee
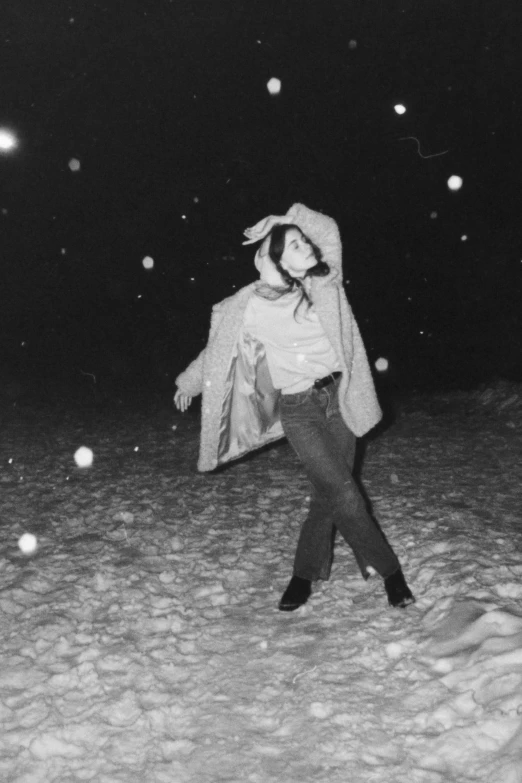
(348, 498)
(337, 494)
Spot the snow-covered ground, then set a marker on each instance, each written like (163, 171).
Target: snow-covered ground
(141, 642)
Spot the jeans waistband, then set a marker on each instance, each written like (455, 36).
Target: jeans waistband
(322, 382)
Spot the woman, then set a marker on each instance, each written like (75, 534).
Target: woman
(285, 358)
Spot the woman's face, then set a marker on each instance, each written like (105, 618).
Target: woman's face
(298, 256)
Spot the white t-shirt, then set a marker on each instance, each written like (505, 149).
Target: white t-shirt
(298, 351)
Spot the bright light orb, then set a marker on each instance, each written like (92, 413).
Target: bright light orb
(352, 44)
(7, 140)
(274, 86)
(463, 238)
(455, 182)
(434, 215)
(400, 108)
(381, 365)
(148, 262)
(74, 164)
(83, 457)
(27, 543)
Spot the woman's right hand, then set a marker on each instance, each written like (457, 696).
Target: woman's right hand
(182, 401)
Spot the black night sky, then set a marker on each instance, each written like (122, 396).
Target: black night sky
(180, 146)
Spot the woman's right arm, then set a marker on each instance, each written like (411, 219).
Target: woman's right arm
(182, 401)
(189, 383)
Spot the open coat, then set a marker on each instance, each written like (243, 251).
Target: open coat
(240, 407)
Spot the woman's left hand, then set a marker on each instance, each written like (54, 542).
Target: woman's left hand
(264, 227)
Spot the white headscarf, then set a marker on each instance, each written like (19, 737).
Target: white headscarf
(269, 274)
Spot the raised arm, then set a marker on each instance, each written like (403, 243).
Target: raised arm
(321, 229)
(323, 232)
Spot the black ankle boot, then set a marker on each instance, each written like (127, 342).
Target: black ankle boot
(296, 594)
(399, 594)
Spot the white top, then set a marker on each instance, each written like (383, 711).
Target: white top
(298, 351)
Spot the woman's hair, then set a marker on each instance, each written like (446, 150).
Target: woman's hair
(275, 251)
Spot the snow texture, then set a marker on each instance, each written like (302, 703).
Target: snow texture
(142, 641)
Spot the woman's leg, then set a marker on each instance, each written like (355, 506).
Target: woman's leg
(314, 553)
(315, 548)
(325, 445)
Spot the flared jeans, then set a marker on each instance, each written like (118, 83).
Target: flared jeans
(315, 429)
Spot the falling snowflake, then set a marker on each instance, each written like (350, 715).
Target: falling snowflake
(27, 543)
(455, 182)
(7, 140)
(83, 457)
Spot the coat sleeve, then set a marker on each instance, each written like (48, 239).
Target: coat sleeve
(324, 232)
(190, 381)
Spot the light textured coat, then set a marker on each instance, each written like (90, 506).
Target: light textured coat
(239, 407)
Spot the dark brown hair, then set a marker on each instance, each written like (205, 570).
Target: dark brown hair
(275, 251)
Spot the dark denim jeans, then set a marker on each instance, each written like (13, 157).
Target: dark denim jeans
(315, 429)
